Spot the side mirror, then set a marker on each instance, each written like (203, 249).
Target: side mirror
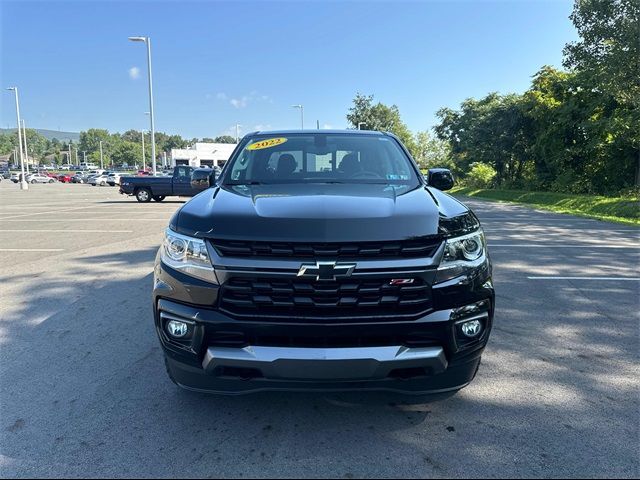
(440, 178)
(202, 178)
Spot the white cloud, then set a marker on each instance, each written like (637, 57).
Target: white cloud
(134, 73)
(327, 126)
(244, 100)
(240, 103)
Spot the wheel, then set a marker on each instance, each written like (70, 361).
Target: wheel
(159, 198)
(143, 195)
(33, 181)
(102, 184)
(51, 181)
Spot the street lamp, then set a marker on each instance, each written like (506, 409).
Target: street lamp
(144, 158)
(147, 41)
(361, 123)
(237, 132)
(23, 183)
(101, 162)
(301, 107)
(26, 151)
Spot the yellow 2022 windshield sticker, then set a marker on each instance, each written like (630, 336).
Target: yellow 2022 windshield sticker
(268, 143)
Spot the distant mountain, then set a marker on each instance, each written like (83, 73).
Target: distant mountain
(50, 134)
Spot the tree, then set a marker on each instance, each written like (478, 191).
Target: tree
(379, 117)
(224, 139)
(492, 130)
(90, 140)
(127, 152)
(432, 152)
(609, 47)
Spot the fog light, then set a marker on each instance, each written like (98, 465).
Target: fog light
(177, 329)
(471, 328)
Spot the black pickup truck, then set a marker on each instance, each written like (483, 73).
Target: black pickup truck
(146, 188)
(323, 260)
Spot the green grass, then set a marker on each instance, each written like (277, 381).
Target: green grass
(624, 210)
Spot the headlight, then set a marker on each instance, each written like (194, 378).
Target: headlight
(462, 255)
(188, 255)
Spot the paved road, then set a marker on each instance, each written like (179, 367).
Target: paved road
(84, 393)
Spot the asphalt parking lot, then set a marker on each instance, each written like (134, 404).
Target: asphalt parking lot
(83, 391)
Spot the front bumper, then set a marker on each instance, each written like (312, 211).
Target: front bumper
(229, 355)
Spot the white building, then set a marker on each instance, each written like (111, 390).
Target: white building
(202, 154)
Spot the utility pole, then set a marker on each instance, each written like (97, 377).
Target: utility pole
(101, 162)
(144, 158)
(147, 41)
(23, 183)
(26, 152)
(238, 132)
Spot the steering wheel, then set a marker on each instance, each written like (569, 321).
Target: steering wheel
(365, 175)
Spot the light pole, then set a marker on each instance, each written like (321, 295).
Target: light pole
(301, 107)
(26, 151)
(101, 162)
(84, 156)
(147, 41)
(144, 158)
(361, 123)
(23, 184)
(238, 132)
(71, 159)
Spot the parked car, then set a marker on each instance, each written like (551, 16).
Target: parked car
(323, 260)
(100, 180)
(6, 174)
(114, 179)
(15, 177)
(39, 178)
(64, 178)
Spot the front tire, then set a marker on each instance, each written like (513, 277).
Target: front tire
(33, 182)
(143, 195)
(159, 198)
(51, 181)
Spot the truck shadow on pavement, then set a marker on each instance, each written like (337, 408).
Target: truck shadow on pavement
(84, 393)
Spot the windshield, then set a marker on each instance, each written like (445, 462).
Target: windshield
(320, 158)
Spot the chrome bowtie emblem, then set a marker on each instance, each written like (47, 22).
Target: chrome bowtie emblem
(326, 270)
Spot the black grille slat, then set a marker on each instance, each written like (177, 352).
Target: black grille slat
(302, 298)
(424, 247)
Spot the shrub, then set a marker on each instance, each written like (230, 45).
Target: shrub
(481, 175)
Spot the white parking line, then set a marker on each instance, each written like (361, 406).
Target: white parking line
(623, 279)
(68, 231)
(31, 249)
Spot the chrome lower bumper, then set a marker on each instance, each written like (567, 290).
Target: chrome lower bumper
(325, 363)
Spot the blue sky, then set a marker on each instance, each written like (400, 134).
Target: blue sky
(218, 63)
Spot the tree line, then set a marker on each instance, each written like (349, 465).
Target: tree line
(575, 130)
(117, 148)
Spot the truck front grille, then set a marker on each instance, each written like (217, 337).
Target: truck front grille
(423, 247)
(349, 299)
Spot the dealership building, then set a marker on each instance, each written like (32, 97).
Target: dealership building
(202, 154)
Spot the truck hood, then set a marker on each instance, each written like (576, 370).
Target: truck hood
(315, 213)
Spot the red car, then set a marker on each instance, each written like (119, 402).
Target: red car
(64, 178)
